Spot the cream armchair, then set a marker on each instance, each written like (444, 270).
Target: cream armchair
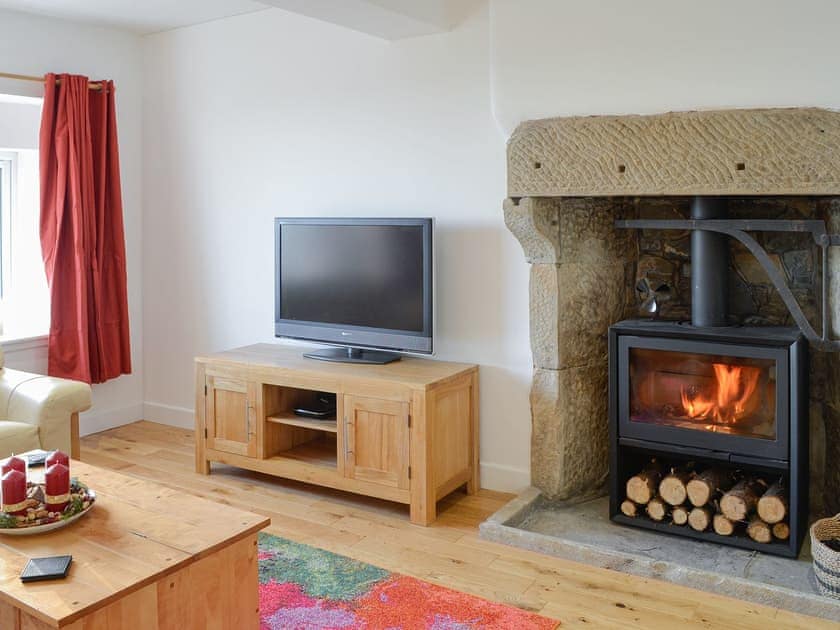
(40, 412)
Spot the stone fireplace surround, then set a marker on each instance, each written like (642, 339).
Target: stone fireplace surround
(570, 179)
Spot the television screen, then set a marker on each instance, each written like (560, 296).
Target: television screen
(362, 282)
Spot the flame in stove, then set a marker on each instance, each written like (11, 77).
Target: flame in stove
(732, 398)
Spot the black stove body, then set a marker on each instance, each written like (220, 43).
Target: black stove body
(656, 365)
(706, 394)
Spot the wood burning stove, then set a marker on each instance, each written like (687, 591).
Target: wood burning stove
(697, 399)
(704, 400)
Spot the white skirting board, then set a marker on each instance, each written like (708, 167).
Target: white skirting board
(169, 414)
(504, 478)
(95, 420)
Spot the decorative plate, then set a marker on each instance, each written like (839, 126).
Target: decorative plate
(82, 500)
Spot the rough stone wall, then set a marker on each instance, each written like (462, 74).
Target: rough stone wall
(665, 260)
(580, 265)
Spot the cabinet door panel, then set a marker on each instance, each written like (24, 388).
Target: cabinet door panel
(377, 441)
(230, 422)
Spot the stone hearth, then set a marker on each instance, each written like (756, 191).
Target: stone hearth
(581, 532)
(570, 179)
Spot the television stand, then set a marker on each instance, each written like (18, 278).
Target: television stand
(353, 355)
(404, 432)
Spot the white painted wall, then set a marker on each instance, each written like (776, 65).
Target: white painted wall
(273, 114)
(276, 114)
(35, 45)
(578, 57)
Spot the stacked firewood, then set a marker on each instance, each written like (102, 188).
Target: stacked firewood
(724, 501)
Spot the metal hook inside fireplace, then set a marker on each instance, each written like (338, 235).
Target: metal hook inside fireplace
(738, 229)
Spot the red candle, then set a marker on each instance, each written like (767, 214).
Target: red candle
(57, 494)
(14, 492)
(13, 463)
(57, 457)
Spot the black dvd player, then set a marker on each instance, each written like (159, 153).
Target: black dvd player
(321, 408)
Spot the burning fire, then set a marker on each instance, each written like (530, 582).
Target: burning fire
(732, 400)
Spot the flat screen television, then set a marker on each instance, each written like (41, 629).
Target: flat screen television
(362, 284)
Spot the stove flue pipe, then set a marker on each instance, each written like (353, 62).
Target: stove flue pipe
(709, 266)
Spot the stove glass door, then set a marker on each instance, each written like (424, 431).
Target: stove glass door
(720, 394)
(707, 395)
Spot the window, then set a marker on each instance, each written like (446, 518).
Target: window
(24, 298)
(7, 164)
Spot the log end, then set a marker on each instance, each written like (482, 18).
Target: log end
(628, 508)
(759, 531)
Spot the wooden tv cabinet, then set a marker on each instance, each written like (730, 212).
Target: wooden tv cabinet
(405, 432)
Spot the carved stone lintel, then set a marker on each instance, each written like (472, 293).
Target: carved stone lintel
(731, 152)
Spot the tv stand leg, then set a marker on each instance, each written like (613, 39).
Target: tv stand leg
(202, 465)
(423, 514)
(474, 484)
(421, 489)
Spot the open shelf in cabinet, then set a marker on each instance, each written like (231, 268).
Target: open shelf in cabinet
(289, 436)
(320, 451)
(331, 426)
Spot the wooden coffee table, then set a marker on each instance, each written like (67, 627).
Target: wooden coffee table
(145, 557)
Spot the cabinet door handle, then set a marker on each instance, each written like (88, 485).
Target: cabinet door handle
(347, 451)
(248, 417)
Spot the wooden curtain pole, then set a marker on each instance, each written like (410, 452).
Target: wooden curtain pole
(26, 77)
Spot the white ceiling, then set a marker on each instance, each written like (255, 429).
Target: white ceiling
(389, 19)
(139, 16)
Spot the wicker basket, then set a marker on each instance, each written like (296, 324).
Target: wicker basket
(826, 560)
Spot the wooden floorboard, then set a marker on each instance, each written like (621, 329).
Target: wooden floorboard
(449, 553)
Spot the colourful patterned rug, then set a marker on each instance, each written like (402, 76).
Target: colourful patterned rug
(304, 588)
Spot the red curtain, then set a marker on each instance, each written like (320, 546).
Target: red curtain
(82, 235)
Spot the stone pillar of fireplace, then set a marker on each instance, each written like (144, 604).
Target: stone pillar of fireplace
(831, 407)
(579, 266)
